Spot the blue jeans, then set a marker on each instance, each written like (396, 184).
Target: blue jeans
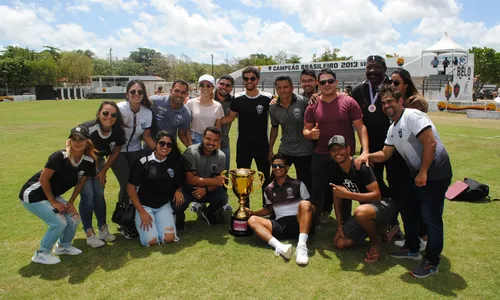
(428, 201)
(196, 138)
(216, 198)
(92, 201)
(62, 226)
(227, 152)
(163, 222)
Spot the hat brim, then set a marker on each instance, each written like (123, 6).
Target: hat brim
(79, 134)
(333, 144)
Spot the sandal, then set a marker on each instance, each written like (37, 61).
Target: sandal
(371, 258)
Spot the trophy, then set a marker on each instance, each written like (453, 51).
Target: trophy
(242, 185)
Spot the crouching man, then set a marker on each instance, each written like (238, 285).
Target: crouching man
(359, 185)
(288, 198)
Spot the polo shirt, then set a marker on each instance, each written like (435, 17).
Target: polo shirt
(135, 124)
(285, 198)
(226, 107)
(170, 120)
(204, 166)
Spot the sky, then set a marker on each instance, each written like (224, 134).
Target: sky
(238, 28)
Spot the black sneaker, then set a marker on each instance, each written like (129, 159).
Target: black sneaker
(211, 219)
(129, 232)
(406, 254)
(425, 270)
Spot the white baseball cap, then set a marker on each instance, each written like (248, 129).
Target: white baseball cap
(208, 78)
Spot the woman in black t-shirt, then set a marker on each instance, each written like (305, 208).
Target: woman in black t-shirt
(159, 178)
(41, 195)
(108, 136)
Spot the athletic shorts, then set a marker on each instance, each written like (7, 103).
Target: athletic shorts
(285, 227)
(386, 211)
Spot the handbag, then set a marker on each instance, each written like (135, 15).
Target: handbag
(468, 190)
(124, 213)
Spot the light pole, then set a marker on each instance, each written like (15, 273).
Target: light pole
(212, 64)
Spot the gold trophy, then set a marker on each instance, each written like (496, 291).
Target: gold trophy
(242, 185)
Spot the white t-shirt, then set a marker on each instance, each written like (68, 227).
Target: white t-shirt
(204, 116)
(134, 129)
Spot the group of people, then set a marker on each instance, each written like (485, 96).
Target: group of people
(139, 139)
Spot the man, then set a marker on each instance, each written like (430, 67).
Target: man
(445, 63)
(223, 96)
(288, 112)
(252, 109)
(358, 185)
(333, 114)
(435, 62)
(415, 137)
(287, 197)
(204, 164)
(308, 83)
(171, 114)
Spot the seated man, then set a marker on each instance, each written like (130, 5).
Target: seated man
(204, 163)
(288, 198)
(360, 185)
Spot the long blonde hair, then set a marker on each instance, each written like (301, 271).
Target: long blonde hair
(90, 150)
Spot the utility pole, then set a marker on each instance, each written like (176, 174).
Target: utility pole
(111, 61)
(212, 64)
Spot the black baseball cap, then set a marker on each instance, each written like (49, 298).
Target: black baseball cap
(337, 140)
(81, 131)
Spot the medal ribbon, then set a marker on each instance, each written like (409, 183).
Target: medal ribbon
(372, 97)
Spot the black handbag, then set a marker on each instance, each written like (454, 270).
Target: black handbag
(124, 214)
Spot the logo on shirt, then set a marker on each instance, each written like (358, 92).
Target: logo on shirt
(351, 186)
(81, 174)
(213, 168)
(171, 173)
(178, 119)
(260, 109)
(112, 146)
(296, 112)
(289, 192)
(227, 111)
(400, 132)
(143, 125)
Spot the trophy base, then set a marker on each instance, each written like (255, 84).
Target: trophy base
(240, 227)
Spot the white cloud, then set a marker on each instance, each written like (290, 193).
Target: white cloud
(409, 10)
(78, 7)
(103, 20)
(252, 3)
(207, 7)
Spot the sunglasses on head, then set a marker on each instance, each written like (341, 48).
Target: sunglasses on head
(249, 78)
(205, 85)
(163, 144)
(330, 81)
(376, 58)
(133, 92)
(278, 166)
(228, 85)
(106, 113)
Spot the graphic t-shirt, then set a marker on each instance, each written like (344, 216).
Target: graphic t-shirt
(105, 145)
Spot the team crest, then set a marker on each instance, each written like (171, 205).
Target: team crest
(260, 109)
(289, 192)
(213, 168)
(296, 112)
(81, 174)
(171, 173)
(112, 146)
(227, 110)
(178, 119)
(400, 132)
(143, 125)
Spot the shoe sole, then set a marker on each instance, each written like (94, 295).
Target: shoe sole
(108, 240)
(99, 246)
(424, 276)
(301, 263)
(72, 254)
(287, 254)
(419, 257)
(44, 262)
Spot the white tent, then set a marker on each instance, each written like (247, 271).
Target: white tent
(445, 45)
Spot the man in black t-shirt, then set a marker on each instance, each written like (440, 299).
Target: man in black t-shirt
(252, 109)
(359, 185)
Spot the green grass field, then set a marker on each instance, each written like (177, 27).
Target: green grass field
(210, 263)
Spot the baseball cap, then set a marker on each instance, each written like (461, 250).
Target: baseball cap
(81, 131)
(337, 140)
(208, 78)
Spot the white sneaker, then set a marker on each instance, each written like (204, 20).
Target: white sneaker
(105, 235)
(45, 258)
(285, 251)
(227, 207)
(71, 250)
(197, 207)
(94, 242)
(302, 256)
(401, 243)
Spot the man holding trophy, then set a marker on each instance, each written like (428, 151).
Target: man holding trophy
(288, 198)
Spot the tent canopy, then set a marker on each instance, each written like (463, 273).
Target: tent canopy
(445, 45)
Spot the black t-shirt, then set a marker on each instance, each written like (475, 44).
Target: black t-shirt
(356, 180)
(252, 118)
(157, 180)
(65, 177)
(377, 123)
(105, 145)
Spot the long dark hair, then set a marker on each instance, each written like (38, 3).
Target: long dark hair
(145, 100)
(411, 89)
(175, 153)
(119, 124)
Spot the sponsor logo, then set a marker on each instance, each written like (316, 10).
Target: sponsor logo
(171, 173)
(112, 146)
(81, 174)
(400, 132)
(296, 112)
(260, 109)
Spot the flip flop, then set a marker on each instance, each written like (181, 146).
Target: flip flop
(371, 258)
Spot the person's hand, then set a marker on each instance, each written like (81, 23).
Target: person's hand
(248, 211)
(199, 192)
(219, 180)
(339, 191)
(339, 234)
(314, 99)
(178, 198)
(146, 220)
(362, 159)
(273, 101)
(270, 156)
(315, 132)
(70, 208)
(59, 206)
(421, 179)
(102, 178)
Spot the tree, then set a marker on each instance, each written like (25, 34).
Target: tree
(281, 57)
(330, 55)
(486, 62)
(15, 72)
(14, 51)
(144, 56)
(75, 67)
(127, 67)
(294, 59)
(87, 53)
(101, 67)
(394, 55)
(52, 51)
(44, 71)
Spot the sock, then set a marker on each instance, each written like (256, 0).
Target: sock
(273, 242)
(302, 239)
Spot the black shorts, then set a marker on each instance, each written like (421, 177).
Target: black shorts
(285, 227)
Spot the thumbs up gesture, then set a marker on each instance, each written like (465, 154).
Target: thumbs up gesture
(315, 132)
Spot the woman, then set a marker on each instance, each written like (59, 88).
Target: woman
(401, 79)
(108, 136)
(205, 111)
(138, 119)
(159, 177)
(41, 195)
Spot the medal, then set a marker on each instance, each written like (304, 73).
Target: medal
(372, 108)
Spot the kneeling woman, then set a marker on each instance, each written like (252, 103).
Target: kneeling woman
(41, 195)
(154, 182)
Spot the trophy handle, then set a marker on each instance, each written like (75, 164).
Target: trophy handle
(261, 179)
(223, 175)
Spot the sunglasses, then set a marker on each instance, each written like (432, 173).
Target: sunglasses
(249, 78)
(163, 144)
(106, 113)
(330, 81)
(376, 58)
(139, 92)
(395, 82)
(278, 166)
(205, 85)
(228, 85)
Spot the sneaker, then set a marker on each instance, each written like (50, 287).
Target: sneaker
(227, 207)
(94, 242)
(105, 235)
(211, 219)
(45, 258)
(197, 207)
(401, 243)
(71, 250)
(302, 255)
(324, 218)
(406, 254)
(129, 232)
(285, 251)
(426, 269)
